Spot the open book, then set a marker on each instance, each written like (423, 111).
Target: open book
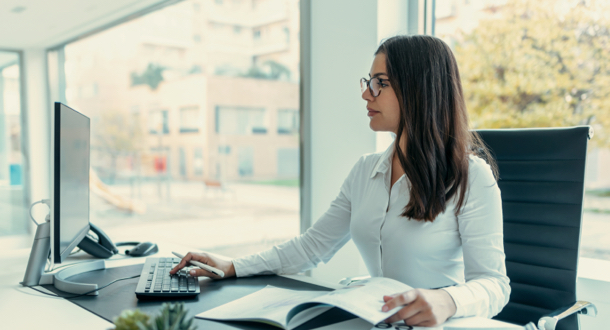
(288, 309)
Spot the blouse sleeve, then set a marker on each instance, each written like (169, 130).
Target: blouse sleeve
(318, 243)
(487, 289)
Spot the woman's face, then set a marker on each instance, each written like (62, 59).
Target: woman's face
(383, 110)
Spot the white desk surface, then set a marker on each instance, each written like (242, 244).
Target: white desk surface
(24, 308)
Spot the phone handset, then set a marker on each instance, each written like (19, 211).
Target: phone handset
(102, 248)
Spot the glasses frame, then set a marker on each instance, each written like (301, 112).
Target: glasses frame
(402, 326)
(364, 81)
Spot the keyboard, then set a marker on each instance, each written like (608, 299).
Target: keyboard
(155, 282)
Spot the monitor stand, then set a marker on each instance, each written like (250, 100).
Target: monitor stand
(34, 274)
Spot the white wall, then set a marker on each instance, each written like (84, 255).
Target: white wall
(338, 45)
(37, 109)
(343, 38)
(392, 18)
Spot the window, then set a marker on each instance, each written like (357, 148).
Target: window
(189, 120)
(224, 150)
(256, 32)
(287, 34)
(198, 162)
(288, 163)
(536, 63)
(182, 162)
(246, 161)
(14, 216)
(200, 135)
(158, 122)
(240, 121)
(287, 121)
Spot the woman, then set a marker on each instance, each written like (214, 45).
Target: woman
(426, 212)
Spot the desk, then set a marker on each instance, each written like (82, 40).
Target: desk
(24, 308)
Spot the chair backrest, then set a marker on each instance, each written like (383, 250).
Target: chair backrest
(542, 174)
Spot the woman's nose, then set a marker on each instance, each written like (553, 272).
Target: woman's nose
(366, 95)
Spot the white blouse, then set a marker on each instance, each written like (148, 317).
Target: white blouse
(464, 255)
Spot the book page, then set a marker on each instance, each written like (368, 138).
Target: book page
(270, 305)
(365, 298)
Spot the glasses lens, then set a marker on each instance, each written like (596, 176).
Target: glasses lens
(375, 86)
(363, 85)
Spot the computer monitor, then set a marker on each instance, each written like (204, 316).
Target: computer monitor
(68, 222)
(70, 134)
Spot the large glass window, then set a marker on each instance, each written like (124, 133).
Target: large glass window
(13, 211)
(181, 108)
(540, 63)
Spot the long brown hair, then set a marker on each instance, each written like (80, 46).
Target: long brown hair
(424, 74)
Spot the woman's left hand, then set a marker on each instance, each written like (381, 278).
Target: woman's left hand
(424, 308)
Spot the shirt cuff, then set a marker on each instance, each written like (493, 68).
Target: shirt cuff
(257, 264)
(454, 292)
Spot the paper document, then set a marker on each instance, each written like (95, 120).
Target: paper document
(288, 309)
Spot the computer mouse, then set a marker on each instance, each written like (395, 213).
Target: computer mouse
(143, 249)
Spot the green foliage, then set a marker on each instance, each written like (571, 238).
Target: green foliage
(172, 317)
(131, 320)
(152, 76)
(539, 63)
(270, 70)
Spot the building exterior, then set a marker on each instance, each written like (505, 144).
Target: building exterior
(207, 90)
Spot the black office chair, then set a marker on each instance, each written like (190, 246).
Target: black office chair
(542, 172)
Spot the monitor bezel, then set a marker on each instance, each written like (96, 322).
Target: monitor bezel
(56, 256)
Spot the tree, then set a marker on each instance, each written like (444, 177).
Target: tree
(152, 76)
(115, 134)
(542, 63)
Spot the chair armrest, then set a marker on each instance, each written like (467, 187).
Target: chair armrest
(549, 322)
(347, 281)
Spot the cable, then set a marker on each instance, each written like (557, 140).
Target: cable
(45, 201)
(86, 293)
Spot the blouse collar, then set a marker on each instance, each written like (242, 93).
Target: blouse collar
(384, 161)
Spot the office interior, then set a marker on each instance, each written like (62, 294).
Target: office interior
(229, 125)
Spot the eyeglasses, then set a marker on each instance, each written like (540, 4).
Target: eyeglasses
(383, 325)
(374, 85)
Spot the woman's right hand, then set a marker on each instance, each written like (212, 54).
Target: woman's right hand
(225, 265)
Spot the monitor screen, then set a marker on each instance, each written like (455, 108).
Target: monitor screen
(70, 198)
